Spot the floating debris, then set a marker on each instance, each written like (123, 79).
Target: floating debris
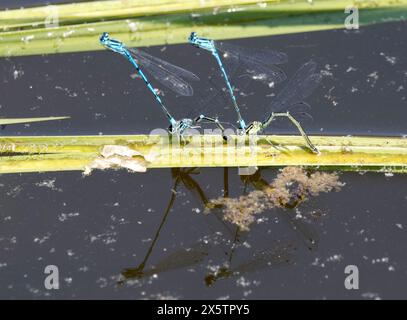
(292, 186)
(118, 157)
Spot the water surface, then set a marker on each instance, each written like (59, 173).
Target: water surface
(97, 227)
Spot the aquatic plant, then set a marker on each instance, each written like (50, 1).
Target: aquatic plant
(292, 186)
(73, 27)
(60, 153)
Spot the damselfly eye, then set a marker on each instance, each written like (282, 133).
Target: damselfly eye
(104, 37)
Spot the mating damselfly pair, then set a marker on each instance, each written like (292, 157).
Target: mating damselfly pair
(258, 62)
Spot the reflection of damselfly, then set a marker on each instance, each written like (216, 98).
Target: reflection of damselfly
(187, 257)
(304, 82)
(167, 74)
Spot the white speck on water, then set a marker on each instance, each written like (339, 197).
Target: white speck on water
(389, 59)
(317, 262)
(65, 216)
(335, 258)
(246, 245)
(331, 97)
(14, 192)
(48, 184)
(372, 78)
(67, 91)
(247, 293)
(326, 72)
(102, 282)
(164, 296)
(41, 240)
(371, 295)
(242, 282)
(17, 74)
(260, 76)
(380, 260)
(399, 225)
(351, 69)
(196, 210)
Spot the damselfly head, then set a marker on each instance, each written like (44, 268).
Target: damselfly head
(104, 38)
(254, 128)
(192, 39)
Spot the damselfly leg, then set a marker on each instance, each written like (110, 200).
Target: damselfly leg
(296, 123)
(302, 84)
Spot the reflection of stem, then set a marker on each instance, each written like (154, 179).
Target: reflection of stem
(171, 203)
(226, 271)
(235, 240)
(226, 182)
(192, 185)
(306, 232)
(183, 177)
(138, 271)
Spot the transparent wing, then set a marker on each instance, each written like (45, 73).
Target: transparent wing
(304, 82)
(260, 63)
(181, 72)
(212, 100)
(182, 258)
(163, 74)
(215, 100)
(268, 258)
(263, 56)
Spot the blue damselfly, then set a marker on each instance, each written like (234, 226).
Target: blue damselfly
(260, 62)
(167, 74)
